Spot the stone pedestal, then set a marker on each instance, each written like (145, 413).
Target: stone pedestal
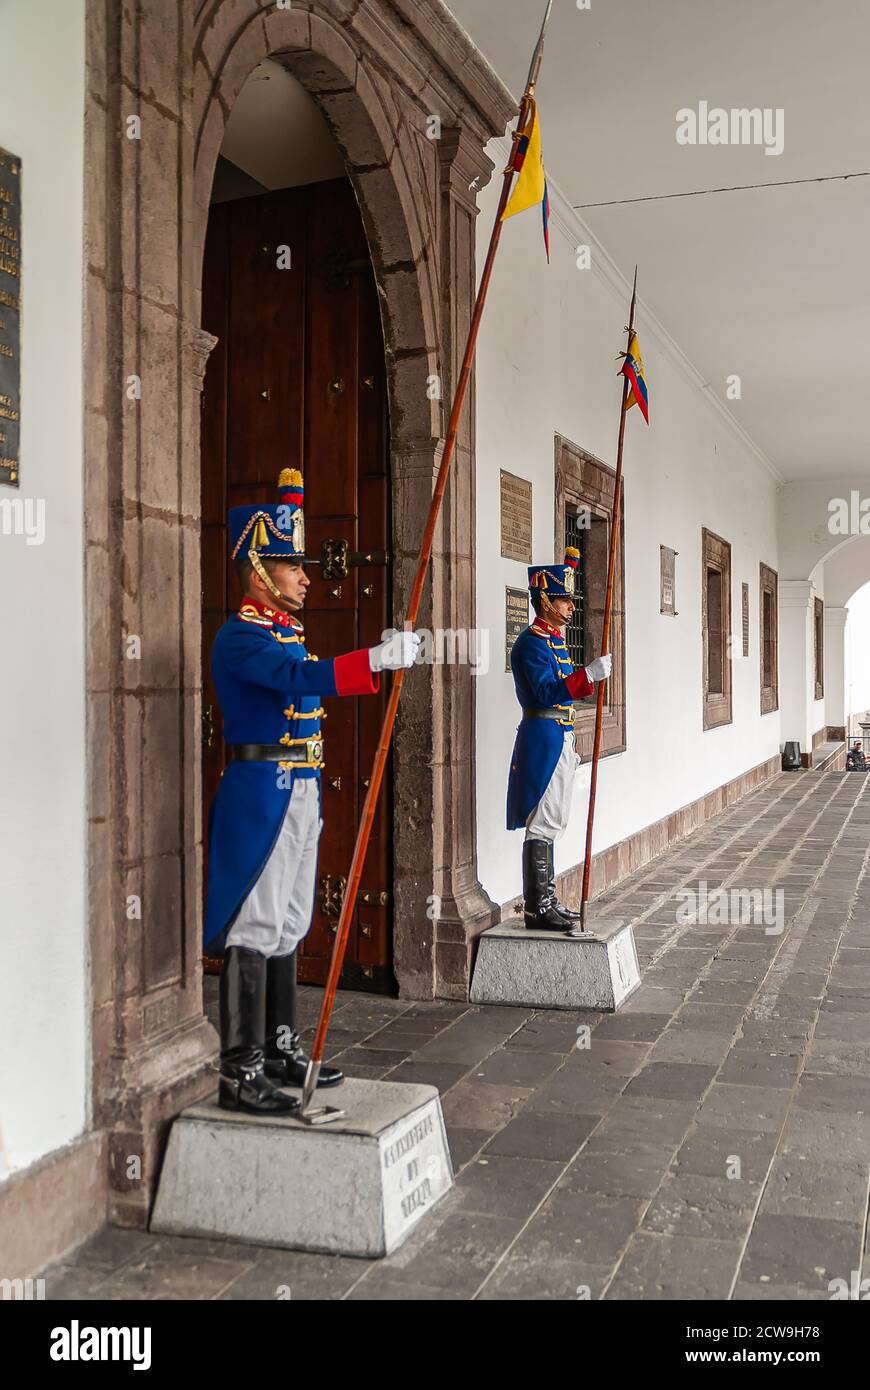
(546, 970)
(357, 1186)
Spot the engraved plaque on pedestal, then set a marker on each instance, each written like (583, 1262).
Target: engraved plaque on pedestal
(10, 316)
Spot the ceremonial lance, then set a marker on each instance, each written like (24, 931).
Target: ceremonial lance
(632, 381)
(363, 834)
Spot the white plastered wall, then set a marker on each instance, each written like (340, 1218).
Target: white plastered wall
(43, 991)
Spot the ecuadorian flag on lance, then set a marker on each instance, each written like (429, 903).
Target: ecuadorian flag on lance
(531, 187)
(632, 367)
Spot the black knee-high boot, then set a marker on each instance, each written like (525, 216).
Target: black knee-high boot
(551, 886)
(286, 1062)
(243, 1083)
(539, 908)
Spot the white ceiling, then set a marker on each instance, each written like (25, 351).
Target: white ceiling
(276, 133)
(772, 284)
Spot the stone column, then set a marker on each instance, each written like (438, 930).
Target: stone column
(463, 909)
(836, 715)
(153, 1050)
(796, 680)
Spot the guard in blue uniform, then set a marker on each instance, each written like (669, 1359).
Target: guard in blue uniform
(266, 819)
(544, 761)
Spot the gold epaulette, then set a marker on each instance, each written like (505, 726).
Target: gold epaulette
(249, 614)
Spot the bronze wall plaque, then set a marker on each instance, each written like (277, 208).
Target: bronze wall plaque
(516, 518)
(10, 316)
(516, 619)
(668, 591)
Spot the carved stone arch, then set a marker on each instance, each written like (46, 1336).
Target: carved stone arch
(379, 69)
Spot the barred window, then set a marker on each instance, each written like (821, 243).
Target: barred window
(583, 518)
(575, 632)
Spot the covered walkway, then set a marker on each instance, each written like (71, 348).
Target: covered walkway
(711, 1141)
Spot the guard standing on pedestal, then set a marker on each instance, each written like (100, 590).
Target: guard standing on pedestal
(544, 760)
(266, 819)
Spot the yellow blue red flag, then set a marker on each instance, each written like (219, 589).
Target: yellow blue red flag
(632, 368)
(531, 186)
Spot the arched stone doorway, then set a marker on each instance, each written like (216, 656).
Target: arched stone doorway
(389, 76)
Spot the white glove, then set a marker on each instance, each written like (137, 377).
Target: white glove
(600, 668)
(397, 653)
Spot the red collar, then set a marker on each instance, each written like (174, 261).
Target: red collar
(281, 619)
(544, 629)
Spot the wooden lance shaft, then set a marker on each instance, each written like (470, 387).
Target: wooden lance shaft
(363, 834)
(605, 631)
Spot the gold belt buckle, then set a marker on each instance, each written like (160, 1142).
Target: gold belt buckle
(314, 749)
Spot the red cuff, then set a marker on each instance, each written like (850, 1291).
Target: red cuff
(354, 676)
(579, 684)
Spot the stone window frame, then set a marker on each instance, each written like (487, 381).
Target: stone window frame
(768, 584)
(819, 647)
(716, 554)
(582, 480)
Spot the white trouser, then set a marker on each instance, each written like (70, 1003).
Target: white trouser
(549, 820)
(277, 912)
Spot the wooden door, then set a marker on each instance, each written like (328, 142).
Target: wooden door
(297, 381)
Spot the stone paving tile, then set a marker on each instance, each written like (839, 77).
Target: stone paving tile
(81, 1283)
(657, 1267)
(543, 1135)
(779, 1293)
(455, 1253)
(498, 1186)
(577, 1092)
(831, 1190)
(440, 1074)
(711, 1151)
(671, 1081)
(619, 1171)
(744, 1107)
(533, 1272)
(626, 1027)
(547, 1035)
(749, 1069)
(297, 1276)
(648, 1120)
(473, 1104)
(703, 1207)
(179, 1276)
(618, 1058)
(465, 1143)
(518, 1067)
(802, 1250)
(401, 1290)
(697, 1045)
(113, 1247)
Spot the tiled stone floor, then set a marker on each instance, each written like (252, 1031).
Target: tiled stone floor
(713, 1141)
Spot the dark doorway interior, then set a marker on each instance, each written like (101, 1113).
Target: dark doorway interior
(297, 381)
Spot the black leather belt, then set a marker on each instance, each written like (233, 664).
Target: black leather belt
(311, 751)
(561, 716)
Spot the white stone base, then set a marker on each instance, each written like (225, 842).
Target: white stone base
(357, 1186)
(546, 970)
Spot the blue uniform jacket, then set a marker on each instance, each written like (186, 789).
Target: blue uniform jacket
(544, 678)
(269, 689)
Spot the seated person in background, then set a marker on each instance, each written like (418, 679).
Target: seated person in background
(855, 760)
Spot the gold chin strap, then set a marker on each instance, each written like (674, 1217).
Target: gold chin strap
(548, 608)
(264, 574)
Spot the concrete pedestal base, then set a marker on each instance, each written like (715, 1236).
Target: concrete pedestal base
(357, 1186)
(546, 970)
